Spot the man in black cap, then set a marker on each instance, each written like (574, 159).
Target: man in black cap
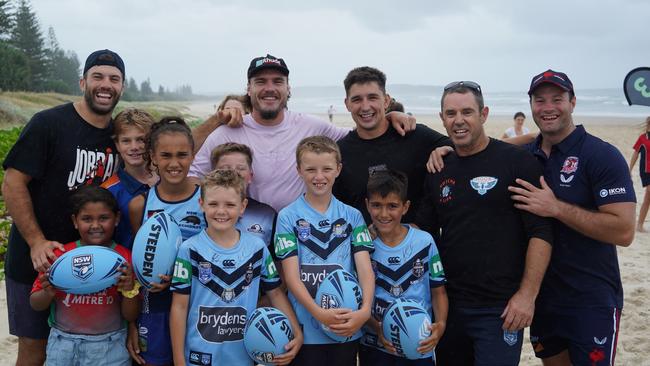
(60, 149)
(587, 189)
(272, 131)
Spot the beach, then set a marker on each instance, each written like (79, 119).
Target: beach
(634, 336)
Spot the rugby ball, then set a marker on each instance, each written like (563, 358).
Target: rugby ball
(155, 247)
(339, 289)
(86, 270)
(266, 333)
(405, 324)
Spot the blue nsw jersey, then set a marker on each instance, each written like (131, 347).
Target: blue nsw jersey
(323, 243)
(155, 305)
(408, 270)
(187, 212)
(223, 285)
(259, 220)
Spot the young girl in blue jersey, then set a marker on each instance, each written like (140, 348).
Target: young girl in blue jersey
(217, 278)
(315, 235)
(169, 150)
(407, 265)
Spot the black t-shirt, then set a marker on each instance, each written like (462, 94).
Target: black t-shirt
(408, 154)
(484, 238)
(60, 151)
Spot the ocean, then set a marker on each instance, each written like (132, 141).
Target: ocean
(420, 99)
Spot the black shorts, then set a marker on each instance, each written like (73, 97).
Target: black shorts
(369, 356)
(23, 320)
(331, 354)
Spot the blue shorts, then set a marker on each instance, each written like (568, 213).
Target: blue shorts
(154, 339)
(370, 356)
(67, 349)
(474, 337)
(588, 334)
(23, 320)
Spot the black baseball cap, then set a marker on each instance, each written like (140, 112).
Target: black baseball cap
(556, 78)
(267, 62)
(104, 57)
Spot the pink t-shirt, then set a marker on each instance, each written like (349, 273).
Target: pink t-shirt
(644, 142)
(275, 180)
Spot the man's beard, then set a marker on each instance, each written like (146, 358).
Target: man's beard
(102, 111)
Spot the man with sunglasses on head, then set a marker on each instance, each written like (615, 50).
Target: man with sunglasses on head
(587, 189)
(495, 255)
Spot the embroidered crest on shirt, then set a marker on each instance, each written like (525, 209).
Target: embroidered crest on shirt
(569, 167)
(483, 184)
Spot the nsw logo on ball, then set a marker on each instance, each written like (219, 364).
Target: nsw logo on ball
(82, 266)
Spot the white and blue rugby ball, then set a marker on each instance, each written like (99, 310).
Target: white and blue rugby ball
(155, 247)
(266, 333)
(405, 324)
(339, 289)
(86, 270)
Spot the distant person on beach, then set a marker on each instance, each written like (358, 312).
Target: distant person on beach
(272, 131)
(60, 149)
(518, 129)
(494, 254)
(641, 148)
(234, 101)
(587, 189)
(330, 113)
(374, 145)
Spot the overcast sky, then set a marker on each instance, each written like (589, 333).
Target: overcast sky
(501, 44)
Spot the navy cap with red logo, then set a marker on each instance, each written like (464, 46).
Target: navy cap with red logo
(267, 62)
(556, 78)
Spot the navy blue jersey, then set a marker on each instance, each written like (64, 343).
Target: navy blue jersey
(223, 285)
(323, 243)
(588, 172)
(408, 270)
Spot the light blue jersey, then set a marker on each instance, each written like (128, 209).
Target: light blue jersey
(259, 220)
(408, 270)
(187, 213)
(223, 285)
(153, 324)
(323, 243)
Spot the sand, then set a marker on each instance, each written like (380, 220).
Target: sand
(634, 339)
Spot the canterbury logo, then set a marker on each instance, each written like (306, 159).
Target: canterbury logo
(600, 341)
(566, 180)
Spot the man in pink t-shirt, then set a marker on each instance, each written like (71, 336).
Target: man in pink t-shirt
(272, 132)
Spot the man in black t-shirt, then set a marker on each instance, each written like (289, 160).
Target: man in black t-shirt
(59, 150)
(375, 145)
(494, 255)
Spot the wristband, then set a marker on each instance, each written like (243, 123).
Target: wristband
(132, 292)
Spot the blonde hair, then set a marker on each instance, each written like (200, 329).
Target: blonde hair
(132, 117)
(231, 148)
(225, 179)
(318, 145)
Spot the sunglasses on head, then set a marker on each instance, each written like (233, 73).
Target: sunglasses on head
(469, 84)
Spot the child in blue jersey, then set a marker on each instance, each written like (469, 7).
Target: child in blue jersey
(217, 277)
(258, 218)
(133, 178)
(315, 235)
(406, 265)
(169, 150)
